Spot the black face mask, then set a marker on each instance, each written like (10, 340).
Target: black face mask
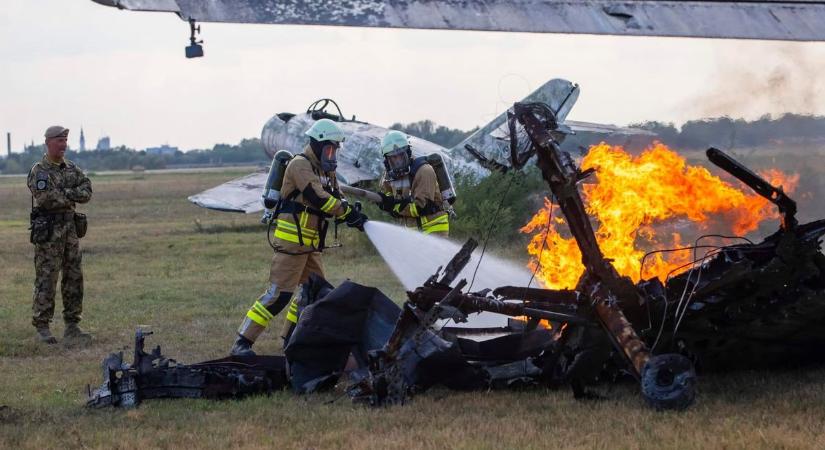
(329, 157)
(327, 154)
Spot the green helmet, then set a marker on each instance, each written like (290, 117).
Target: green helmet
(326, 130)
(394, 140)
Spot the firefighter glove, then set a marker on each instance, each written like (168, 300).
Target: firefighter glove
(356, 219)
(387, 202)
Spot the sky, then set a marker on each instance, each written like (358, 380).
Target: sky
(124, 74)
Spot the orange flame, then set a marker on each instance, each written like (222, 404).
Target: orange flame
(639, 204)
(544, 323)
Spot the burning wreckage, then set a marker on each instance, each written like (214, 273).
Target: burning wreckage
(740, 306)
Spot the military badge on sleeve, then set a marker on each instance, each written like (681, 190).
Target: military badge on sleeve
(42, 181)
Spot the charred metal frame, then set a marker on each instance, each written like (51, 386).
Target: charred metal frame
(602, 285)
(787, 207)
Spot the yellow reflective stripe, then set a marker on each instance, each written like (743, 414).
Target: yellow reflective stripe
(261, 309)
(346, 213)
(413, 210)
(291, 317)
(304, 220)
(289, 227)
(329, 205)
(444, 227)
(292, 311)
(257, 318)
(444, 218)
(439, 224)
(289, 237)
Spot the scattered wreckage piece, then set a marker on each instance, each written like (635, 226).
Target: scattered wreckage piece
(422, 351)
(337, 327)
(152, 375)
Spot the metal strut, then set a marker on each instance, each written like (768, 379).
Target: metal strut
(601, 283)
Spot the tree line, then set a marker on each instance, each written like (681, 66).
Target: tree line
(248, 151)
(696, 134)
(724, 132)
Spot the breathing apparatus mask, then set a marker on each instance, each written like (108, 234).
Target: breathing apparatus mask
(397, 163)
(327, 153)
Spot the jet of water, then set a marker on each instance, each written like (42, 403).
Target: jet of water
(413, 257)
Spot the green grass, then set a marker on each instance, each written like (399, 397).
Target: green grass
(148, 262)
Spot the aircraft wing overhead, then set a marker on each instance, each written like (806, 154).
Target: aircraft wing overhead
(797, 20)
(143, 5)
(241, 195)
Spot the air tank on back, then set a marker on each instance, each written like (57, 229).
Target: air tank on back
(445, 181)
(272, 189)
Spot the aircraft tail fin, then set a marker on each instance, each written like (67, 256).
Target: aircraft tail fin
(559, 94)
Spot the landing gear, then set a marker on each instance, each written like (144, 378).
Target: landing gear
(669, 382)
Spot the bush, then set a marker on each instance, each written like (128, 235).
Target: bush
(519, 195)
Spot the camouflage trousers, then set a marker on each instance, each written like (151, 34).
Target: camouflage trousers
(60, 254)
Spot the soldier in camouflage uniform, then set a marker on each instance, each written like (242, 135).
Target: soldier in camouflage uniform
(57, 185)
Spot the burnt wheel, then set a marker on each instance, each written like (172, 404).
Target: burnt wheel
(669, 382)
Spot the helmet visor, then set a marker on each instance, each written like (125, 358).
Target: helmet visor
(398, 162)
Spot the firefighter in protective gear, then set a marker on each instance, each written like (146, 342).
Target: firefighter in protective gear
(410, 187)
(310, 198)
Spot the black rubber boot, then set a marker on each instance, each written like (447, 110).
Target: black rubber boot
(242, 347)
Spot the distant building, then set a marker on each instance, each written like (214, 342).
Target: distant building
(104, 143)
(162, 150)
(82, 141)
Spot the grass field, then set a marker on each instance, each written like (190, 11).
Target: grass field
(153, 259)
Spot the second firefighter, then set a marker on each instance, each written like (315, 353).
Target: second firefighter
(410, 187)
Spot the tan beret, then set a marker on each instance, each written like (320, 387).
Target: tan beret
(56, 131)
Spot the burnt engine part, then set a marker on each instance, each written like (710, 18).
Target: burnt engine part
(152, 375)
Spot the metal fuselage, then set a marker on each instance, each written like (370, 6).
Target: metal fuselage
(360, 156)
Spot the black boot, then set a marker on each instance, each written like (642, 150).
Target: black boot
(73, 332)
(242, 347)
(45, 336)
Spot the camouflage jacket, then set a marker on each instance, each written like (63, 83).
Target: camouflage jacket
(57, 187)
